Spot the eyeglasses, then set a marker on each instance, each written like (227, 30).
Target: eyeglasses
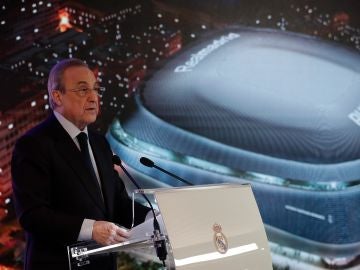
(85, 91)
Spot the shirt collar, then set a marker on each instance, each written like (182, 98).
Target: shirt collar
(70, 128)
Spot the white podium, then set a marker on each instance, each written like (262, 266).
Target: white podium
(206, 227)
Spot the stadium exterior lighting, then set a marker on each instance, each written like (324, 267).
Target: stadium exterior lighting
(64, 23)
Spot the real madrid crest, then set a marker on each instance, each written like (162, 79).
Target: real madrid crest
(220, 241)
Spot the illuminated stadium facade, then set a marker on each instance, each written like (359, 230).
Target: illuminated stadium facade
(278, 110)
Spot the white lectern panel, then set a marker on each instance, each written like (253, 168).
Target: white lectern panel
(190, 215)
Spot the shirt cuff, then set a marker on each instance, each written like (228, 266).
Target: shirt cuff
(86, 230)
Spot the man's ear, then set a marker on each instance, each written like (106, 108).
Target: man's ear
(56, 97)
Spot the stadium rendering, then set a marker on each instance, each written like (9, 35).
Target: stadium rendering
(275, 109)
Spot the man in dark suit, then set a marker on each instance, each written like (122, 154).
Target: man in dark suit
(64, 183)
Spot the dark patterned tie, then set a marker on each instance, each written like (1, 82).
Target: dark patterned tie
(83, 142)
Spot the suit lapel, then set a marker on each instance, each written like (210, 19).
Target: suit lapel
(68, 150)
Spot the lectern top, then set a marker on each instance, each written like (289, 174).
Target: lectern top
(192, 188)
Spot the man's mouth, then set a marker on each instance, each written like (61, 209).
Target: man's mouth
(90, 109)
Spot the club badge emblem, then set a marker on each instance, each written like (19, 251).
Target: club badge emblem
(220, 241)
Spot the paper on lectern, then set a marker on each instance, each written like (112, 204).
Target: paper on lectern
(146, 228)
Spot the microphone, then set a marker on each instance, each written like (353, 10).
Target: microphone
(160, 244)
(149, 163)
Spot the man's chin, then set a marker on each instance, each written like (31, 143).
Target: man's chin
(90, 119)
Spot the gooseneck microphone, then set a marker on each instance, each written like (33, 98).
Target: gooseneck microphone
(149, 163)
(160, 244)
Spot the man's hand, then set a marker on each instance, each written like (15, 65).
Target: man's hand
(107, 233)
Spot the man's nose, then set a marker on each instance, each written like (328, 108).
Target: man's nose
(93, 96)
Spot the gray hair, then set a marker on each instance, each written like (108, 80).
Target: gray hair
(55, 81)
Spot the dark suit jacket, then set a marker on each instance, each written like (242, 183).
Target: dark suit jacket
(53, 193)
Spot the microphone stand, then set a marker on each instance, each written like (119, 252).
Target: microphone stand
(159, 242)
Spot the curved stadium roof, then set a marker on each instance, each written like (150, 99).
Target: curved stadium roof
(258, 100)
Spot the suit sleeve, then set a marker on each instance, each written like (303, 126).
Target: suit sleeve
(33, 188)
(123, 207)
(122, 202)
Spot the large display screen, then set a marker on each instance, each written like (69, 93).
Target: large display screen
(259, 92)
